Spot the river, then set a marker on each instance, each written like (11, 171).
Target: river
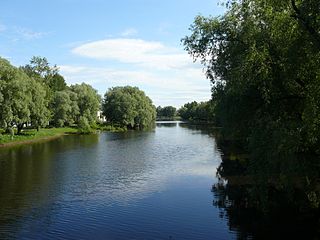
(134, 185)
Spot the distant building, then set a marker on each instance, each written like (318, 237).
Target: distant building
(101, 117)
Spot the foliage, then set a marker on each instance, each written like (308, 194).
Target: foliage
(128, 106)
(40, 67)
(88, 101)
(36, 95)
(48, 76)
(22, 99)
(39, 112)
(56, 82)
(263, 58)
(167, 112)
(64, 108)
(200, 112)
(84, 126)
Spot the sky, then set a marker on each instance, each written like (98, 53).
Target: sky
(111, 43)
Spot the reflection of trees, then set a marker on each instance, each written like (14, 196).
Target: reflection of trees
(203, 128)
(166, 124)
(234, 206)
(262, 211)
(28, 176)
(257, 204)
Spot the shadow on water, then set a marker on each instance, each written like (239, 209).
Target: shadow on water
(238, 205)
(260, 211)
(28, 173)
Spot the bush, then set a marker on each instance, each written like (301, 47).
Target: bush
(84, 126)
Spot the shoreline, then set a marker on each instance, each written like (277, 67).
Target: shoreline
(30, 141)
(32, 136)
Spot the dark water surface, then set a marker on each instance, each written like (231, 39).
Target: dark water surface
(134, 185)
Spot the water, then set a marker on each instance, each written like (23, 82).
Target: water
(134, 185)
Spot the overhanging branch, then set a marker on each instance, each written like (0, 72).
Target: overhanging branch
(306, 23)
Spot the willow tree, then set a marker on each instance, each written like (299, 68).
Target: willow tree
(88, 101)
(22, 99)
(263, 58)
(128, 106)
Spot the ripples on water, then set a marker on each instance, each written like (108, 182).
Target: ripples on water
(134, 185)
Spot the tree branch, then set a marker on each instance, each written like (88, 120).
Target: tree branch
(298, 16)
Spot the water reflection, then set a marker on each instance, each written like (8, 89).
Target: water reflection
(260, 211)
(237, 205)
(167, 123)
(139, 184)
(28, 174)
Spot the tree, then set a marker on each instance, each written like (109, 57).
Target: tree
(40, 67)
(57, 82)
(200, 112)
(188, 111)
(48, 76)
(262, 58)
(37, 94)
(64, 108)
(39, 111)
(22, 98)
(128, 106)
(167, 112)
(88, 100)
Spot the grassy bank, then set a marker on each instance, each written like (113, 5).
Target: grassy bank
(32, 135)
(110, 128)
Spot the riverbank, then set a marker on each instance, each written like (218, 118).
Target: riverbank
(32, 135)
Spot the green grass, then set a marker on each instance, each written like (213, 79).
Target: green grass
(32, 134)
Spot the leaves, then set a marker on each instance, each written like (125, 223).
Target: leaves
(263, 58)
(128, 106)
(37, 94)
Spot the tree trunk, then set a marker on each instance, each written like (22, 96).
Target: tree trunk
(19, 126)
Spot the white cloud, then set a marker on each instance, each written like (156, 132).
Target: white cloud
(175, 88)
(129, 32)
(135, 51)
(30, 34)
(167, 74)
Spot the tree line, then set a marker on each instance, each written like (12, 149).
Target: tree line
(200, 112)
(36, 95)
(197, 112)
(263, 58)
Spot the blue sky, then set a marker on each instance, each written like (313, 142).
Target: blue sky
(111, 43)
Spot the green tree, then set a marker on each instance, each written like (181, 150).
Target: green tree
(188, 111)
(40, 67)
(39, 111)
(40, 70)
(64, 108)
(167, 112)
(22, 98)
(57, 82)
(200, 112)
(262, 58)
(158, 111)
(88, 100)
(84, 126)
(128, 106)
